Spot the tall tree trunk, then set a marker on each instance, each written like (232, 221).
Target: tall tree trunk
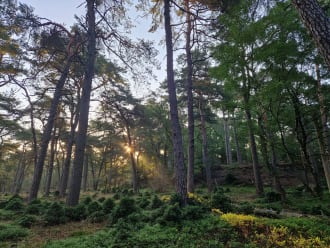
(48, 131)
(191, 121)
(205, 152)
(238, 149)
(67, 162)
(74, 191)
(255, 161)
(51, 162)
(317, 23)
(303, 138)
(227, 139)
(135, 183)
(323, 133)
(180, 174)
(19, 175)
(266, 138)
(85, 172)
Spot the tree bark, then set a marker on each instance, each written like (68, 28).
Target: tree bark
(74, 191)
(205, 152)
(48, 132)
(191, 121)
(67, 162)
(318, 24)
(255, 161)
(180, 175)
(51, 163)
(85, 172)
(19, 175)
(323, 133)
(227, 139)
(238, 149)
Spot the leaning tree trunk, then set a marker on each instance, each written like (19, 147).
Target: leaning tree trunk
(48, 131)
(180, 175)
(74, 191)
(323, 132)
(51, 163)
(317, 23)
(191, 124)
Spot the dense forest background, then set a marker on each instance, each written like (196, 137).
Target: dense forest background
(247, 88)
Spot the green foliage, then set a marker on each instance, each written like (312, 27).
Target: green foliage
(76, 213)
(125, 207)
(190, 212)
(272, 196)
(175, 199)
(244, 208)
(7, 215)
(155, 202)
(220, 201)
(55, 214)
(108, 205)
(12, 232)
(172, 215)
(34, 207)
(143, 201)
(208, 232)
(27, 220)
(230, 179)
(93, 206)
(116, 196)
(15, 203)
(96, 216)
(87, 200)
(307, 227)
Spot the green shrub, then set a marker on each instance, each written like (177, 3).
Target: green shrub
(93, 206)
(272, 196)
(15, 203)
(193, 212)
(87, 200)
(155, 202)
(7, 214)
(125, 207)
(143, 201)
(27, 220)
(101, 199)
(108, 205)
(220, 201)
(175, 199)
(55, 214)
(116, 196)
(172, 214)
(230, 179)
(96, 217)
(245, 208)
(34, 207)
(12, 232)
(76, 213)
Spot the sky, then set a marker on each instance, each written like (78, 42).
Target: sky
(63, 11)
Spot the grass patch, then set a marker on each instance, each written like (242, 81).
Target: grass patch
(12, 232)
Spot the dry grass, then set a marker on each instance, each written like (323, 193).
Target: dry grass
(40, 235)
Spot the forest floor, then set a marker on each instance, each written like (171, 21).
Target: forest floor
(232, 216)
